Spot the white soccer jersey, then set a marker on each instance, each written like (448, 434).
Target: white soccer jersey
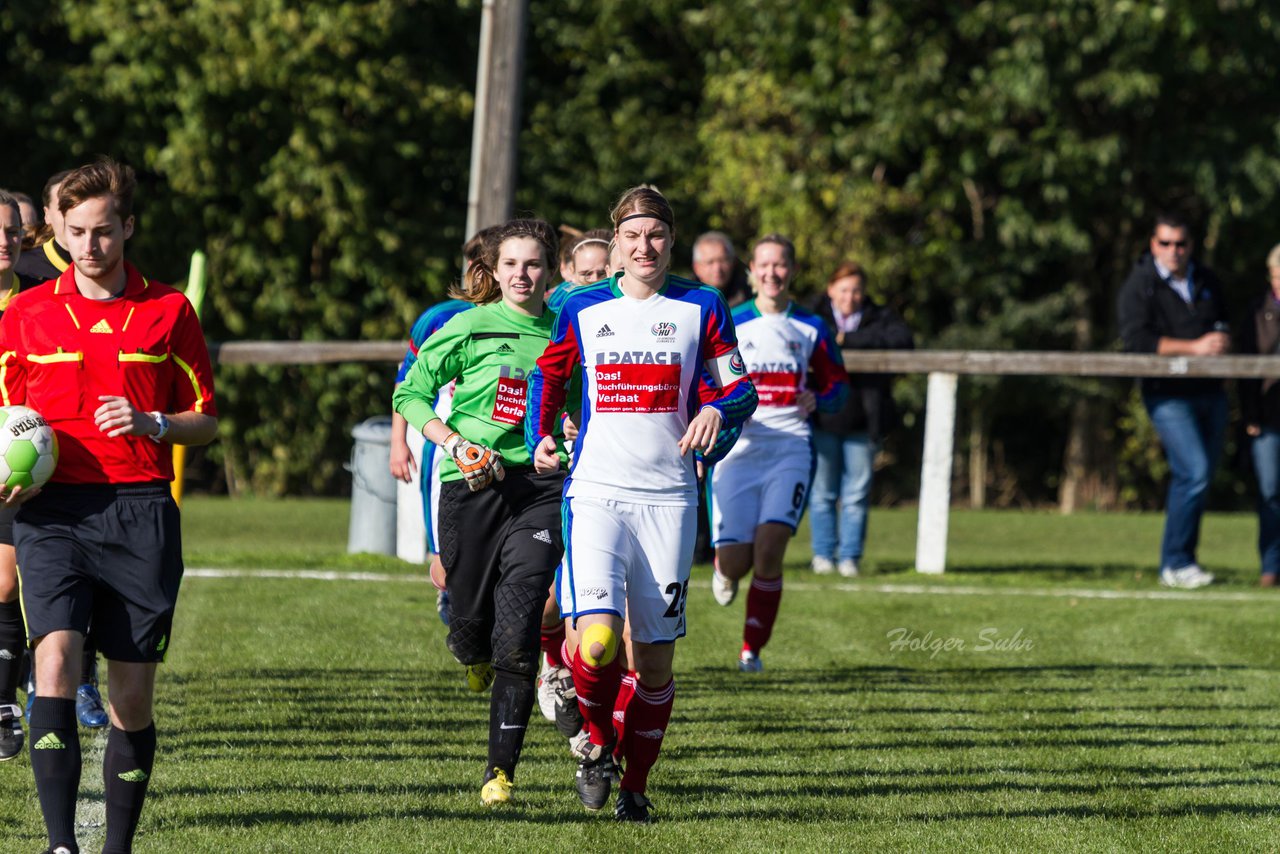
(641, 363)
(780, 350)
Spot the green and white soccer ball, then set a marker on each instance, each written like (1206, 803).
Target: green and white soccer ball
(28, 448)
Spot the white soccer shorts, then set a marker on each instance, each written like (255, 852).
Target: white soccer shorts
(764, 482)
(632, 560)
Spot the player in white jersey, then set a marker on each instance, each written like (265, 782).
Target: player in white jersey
(641, 341)
(758, 491)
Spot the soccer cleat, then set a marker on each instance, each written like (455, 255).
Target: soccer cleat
(479, 677)
(577, 742)
(596, 771)
(849, 567)
(1188, 577)
(633, 807)
(11, 735)
(749, 662)
(61, 849)
(822, 565)
(497, 790)
(568, 716)
(442, 606)
(725, 589)
(89, 709)
(546, 694)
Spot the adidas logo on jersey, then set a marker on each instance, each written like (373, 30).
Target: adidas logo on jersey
(102, 327)
(506, 348)
(620, 716)
(543, 536)
(604, 332)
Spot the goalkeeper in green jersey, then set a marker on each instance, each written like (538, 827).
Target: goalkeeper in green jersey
(500, 537)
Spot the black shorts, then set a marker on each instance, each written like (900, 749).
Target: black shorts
(107, 555)
(6, 525)
(500, 548)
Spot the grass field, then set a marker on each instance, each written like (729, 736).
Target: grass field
(299, 714)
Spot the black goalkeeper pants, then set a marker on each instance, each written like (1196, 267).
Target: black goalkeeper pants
(500, 548)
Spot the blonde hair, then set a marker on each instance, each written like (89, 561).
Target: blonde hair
(1273, 257)
(643, 201)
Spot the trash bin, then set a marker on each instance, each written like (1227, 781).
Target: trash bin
(373, 489)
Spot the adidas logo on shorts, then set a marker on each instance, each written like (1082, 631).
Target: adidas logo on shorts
(543, 536)
(506, 348)
(604, 332)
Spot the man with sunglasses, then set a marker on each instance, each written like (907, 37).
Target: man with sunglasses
(1172, 306)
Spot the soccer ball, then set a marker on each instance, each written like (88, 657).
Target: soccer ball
(28, 448)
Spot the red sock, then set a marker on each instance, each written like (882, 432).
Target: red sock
(762, 612)
(553, 645)
(597, 689)
(648, 714)
(625, 692)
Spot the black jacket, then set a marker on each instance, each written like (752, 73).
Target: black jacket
(1258, 334)
(1149, 309)
(869, 407)
(41, 263)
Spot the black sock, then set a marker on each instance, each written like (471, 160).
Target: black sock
(12, 641)
(509, 709)
(89, 662)
(55, 762)
(126, 770)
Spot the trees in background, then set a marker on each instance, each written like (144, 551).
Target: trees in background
(994, 169)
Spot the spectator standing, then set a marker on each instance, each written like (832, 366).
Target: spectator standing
(1259, 334)
(1172, 306)
(845, 442)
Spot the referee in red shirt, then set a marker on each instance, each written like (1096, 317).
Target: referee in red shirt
(117, 364)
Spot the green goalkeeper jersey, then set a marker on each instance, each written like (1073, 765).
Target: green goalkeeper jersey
(488, 353)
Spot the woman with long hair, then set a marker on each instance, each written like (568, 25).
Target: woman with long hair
(500, 536)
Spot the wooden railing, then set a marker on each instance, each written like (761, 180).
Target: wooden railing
(943, 367)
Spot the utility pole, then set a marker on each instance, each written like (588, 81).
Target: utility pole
(495, 133)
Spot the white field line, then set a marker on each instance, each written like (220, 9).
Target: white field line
(895, 589)
(91, 805)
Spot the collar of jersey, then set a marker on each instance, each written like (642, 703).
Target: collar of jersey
(617, 290)
(58, 257)
(134, 282)
(516, 318)
(756, 312)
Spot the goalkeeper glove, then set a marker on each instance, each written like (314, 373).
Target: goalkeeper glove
(478, 464)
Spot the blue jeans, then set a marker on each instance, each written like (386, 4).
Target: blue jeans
(1266, 465)
(1191, 430)
(843, 476)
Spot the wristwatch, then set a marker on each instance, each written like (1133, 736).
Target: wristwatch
(162, 423)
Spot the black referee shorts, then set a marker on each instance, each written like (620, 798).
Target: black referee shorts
(500, 548)
(6, 524)
(102, 554)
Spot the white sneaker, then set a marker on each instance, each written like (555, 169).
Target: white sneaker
(723, 588)
(546, 693)
(1188, 577)
(849, 568)
(822, 565)
(749, 662)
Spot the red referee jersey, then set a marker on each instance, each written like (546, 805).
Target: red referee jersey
(59, 350)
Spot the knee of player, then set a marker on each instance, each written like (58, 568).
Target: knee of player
(599, 645)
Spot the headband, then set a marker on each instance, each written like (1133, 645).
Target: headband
(589, 241)
(646, 216)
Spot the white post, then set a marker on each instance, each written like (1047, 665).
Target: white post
(935, 473)
(411, 526)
